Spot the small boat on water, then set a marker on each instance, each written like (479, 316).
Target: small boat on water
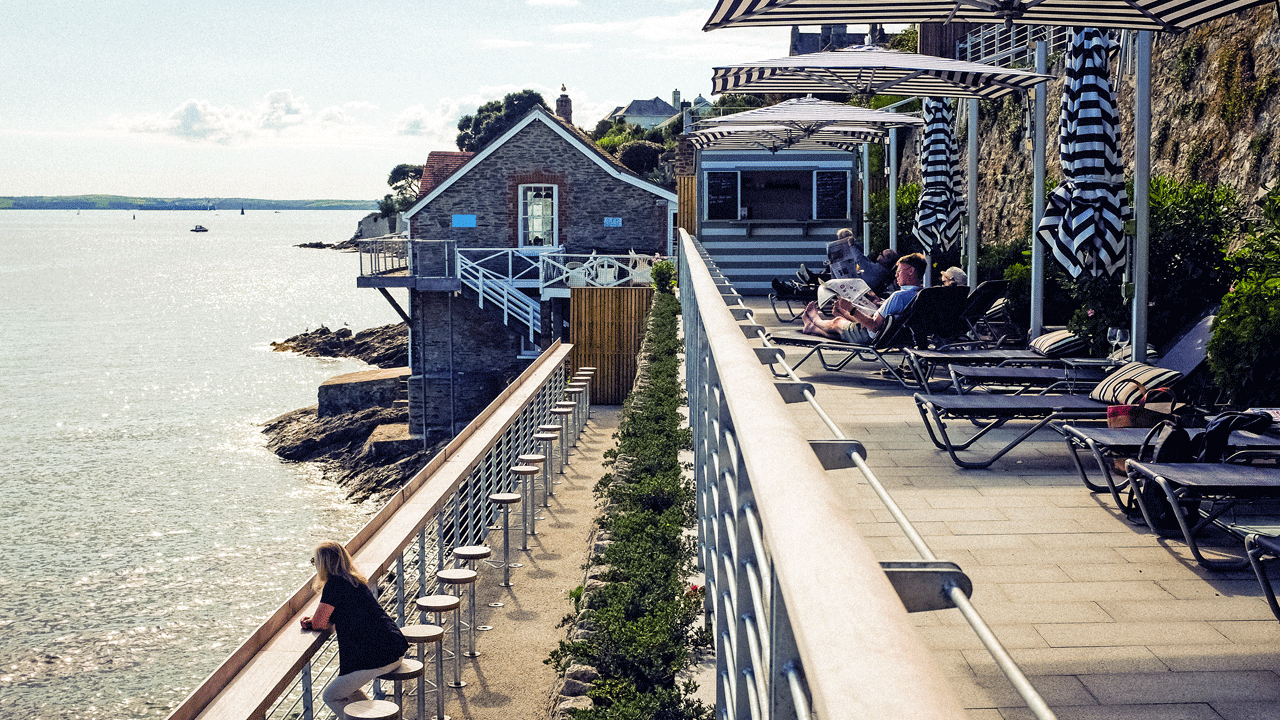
(199, 228)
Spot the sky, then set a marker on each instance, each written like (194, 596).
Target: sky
(283, 99)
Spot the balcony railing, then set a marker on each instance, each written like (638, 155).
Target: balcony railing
(384, 255)
(279, 671)
(807, 622)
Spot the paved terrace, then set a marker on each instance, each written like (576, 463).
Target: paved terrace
(1106, 618)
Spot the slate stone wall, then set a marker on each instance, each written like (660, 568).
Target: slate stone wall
(587, 195)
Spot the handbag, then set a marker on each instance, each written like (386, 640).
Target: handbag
(1141, 415)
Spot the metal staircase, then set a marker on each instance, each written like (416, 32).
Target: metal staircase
(500, 290)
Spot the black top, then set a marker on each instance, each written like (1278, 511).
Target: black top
(367, 637)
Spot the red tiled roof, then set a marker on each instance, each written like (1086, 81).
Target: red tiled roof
(440, 165)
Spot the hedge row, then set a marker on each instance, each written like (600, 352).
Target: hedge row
(637, 616)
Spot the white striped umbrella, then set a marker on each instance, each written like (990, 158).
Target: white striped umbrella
(870, 70)
(781, 137)
(939, 209)
(1167, 15)
(809, 115)
(1083, 223)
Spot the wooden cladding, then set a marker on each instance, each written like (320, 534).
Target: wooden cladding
(687, 192)
(606, 326)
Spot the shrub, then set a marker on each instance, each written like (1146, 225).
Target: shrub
(664, 276)
(1244, 353)
(639, 156)
(878, 215)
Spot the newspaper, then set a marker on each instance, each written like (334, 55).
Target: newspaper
(852, 289)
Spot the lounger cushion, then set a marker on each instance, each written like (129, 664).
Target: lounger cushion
(1117, 390)
(1059, 343)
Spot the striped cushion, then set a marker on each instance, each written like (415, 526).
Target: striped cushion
(1116, 390)
(1059, 343)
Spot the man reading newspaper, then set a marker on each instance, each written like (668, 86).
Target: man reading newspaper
(852, 323)
(847, 260)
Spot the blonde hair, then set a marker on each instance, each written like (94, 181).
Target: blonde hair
(332, 560)
(844, 234)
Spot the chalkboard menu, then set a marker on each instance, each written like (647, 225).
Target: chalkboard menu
(831, 192)
(722, 196)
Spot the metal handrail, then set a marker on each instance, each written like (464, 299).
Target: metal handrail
(383, 255)
(957, 596)
(279, 670)
(768, 517)
(500, 290)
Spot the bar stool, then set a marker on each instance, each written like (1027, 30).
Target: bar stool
(576, 391)
(408, 669)
(469, 555)
(372, 710)
(562, 415)
(545, 442)
(506, 500)
(455, 578)
(535, 461)
(421, 635)
(523, 476)
(586, 373)
(549, 443)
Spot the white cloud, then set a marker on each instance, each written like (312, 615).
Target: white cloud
(281, 109)
(197, 120)
(552, 3)
(503, 44)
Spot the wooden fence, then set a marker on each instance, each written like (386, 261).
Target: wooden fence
(606, 326)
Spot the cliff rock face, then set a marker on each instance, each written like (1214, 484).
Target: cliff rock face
(1215, 107)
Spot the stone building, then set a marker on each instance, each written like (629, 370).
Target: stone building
(490, 238)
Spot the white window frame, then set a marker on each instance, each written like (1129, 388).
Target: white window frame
(525, 234)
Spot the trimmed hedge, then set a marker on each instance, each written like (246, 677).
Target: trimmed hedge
(639, 616)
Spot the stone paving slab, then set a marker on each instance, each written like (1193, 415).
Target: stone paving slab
(1109, 620)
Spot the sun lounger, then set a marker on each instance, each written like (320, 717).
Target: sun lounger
(1197, 495)
(933, 311)
(1257, 543)
(980, 302)
(1048, 349)
(1075, 374)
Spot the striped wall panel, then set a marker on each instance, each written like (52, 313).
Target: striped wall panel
(752, 262)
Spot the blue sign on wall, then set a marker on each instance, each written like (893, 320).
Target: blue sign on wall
(613, 222)
(464, 221)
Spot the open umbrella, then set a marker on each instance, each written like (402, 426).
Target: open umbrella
(808, 115)
(939, 208)
(1168, 15)
(781, 137)
(869, 70)
(1083, 223)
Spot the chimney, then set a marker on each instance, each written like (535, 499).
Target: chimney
(564, 107)
(675, 99)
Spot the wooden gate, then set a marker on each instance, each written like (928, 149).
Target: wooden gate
(606, 326)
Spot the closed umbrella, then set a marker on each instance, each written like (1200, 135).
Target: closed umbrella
(1083, 224)
(939, 209)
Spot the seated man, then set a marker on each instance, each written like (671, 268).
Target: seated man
(854, 326)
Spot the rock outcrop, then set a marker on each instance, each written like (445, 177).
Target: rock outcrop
(385, 347)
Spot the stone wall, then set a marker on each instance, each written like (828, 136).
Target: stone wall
(587, 195)
(357, 391)
(463, 357)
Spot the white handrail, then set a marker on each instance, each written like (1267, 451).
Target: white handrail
(499, 290)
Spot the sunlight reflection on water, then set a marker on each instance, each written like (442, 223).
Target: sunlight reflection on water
(148, 530)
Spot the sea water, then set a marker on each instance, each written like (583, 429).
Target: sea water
(145, 530)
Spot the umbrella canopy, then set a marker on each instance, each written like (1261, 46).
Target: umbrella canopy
(1168, 15)
(781, 137)
(939, 208)
(1083, 224)
(870, 70)
(809, 115)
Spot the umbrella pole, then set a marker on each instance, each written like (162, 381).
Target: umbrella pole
(866, 198)
(1037, 197)
(1141, 194)
(973, 192)
(893, 188)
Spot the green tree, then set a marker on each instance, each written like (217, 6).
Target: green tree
(403, 179)
(640, 157)
(494, 118)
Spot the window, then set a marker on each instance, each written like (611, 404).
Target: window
(538, 216)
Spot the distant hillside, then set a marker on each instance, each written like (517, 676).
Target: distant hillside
(120, 202)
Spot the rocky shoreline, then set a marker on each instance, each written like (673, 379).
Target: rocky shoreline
(340, 443)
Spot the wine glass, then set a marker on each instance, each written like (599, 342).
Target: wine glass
(1113, 337)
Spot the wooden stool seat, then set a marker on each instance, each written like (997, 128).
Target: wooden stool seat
(422, 634)
(372, 710)
(504, 498)
(437, 603)
(524, 470)
(456, 576)
(532, 459)
(551, 428)
(470, 553)
(406, 670)
(547, 436)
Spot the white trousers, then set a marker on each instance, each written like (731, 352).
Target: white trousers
(345, 689)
